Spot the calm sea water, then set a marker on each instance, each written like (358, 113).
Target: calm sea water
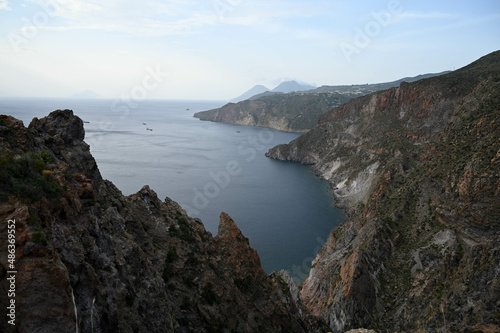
(283, 208)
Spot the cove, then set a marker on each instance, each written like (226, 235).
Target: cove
(282, 207)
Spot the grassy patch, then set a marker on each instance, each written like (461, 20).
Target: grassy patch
(38, 238)
(25, 176)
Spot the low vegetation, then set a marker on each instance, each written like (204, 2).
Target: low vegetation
(25, 176)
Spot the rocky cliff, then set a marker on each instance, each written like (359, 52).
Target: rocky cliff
(417, 169)
(88, 259)
(293, 112)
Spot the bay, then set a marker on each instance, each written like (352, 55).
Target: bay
(283, 208)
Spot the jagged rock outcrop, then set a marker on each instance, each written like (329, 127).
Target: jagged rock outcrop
(89, 259)
(417, 170)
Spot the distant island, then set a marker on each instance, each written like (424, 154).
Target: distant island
(260, 90)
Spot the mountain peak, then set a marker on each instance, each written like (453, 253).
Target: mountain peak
(258, 89)
(290, 86)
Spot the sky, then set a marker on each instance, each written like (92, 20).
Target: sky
(218, 49)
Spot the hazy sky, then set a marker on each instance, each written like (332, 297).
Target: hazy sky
(217, 49)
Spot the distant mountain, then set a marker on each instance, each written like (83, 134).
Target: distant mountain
(87, 94)
(294, 111)
(291, 86)
(258, 89)
(261, 91)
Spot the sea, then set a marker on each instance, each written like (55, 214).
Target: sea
(208, 168)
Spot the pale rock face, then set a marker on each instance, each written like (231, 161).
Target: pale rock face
(351, 192)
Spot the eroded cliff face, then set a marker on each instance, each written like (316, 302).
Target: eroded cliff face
(293, 112)
(89, 259)
(417, 170)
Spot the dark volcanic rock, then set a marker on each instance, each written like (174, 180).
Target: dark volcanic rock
(92, 260)
(63, 134)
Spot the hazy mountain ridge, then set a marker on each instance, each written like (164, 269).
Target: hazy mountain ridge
(260, 90)
(292, 86)
(416, 168)
(255, 90)
(298, 111)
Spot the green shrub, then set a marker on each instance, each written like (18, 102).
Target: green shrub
(186, 232)
(47, 157)
(38, 238)
(6, 157)
(22, 168)
(33, 156)
(24, 176)
(39, 166)
(33, 218)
